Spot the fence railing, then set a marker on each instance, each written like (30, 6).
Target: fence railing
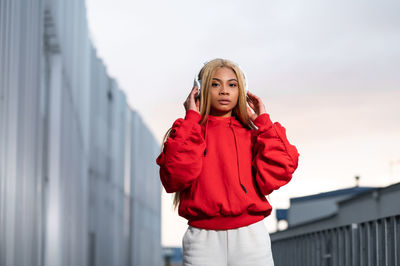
(371, 243)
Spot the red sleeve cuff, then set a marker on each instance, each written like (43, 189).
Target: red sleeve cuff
(192, 115)
(262, 120)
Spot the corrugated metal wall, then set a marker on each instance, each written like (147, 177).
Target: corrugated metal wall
(22, 134)
(143, 188)
(78, 182)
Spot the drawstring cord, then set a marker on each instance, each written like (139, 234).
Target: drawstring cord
(205, 138)
(237, 155)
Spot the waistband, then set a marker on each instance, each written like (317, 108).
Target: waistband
(226, 222)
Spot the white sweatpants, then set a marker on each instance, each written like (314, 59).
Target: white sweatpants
(245, 246)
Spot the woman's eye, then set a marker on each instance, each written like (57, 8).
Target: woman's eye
(233, 85)
(214, 84)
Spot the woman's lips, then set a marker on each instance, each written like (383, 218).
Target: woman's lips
(224, 102)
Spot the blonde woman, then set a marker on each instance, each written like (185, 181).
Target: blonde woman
(221, 161)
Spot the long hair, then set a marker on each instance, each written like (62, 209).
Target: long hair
(239, 111)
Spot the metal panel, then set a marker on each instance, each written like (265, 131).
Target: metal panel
(21, 132)
(145, 194)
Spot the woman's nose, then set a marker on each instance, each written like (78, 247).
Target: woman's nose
(223, 90)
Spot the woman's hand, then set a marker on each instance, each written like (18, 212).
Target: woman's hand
(191, 103)
(256, 105)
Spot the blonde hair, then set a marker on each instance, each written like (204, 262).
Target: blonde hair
(239, 111)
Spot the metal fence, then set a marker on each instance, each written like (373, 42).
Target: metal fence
(371, 243)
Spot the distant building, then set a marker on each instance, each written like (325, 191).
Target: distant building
(316, 207)
(354, 226)
(172, 256)
(337, 208)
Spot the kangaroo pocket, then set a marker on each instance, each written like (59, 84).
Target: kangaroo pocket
(198, 202)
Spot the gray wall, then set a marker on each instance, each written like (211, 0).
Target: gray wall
(376, 204)
(309, 210)
(78, 179)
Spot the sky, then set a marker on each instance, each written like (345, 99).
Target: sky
(328, 71)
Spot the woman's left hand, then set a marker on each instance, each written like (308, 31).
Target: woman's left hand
(256, 104)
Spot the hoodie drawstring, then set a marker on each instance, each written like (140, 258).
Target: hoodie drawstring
(237, 156)
(205, 138)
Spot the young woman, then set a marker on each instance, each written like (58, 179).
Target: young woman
(221, 161)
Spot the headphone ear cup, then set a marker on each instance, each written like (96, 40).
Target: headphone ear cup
(199, 81)
(198, 84)
(245, 81)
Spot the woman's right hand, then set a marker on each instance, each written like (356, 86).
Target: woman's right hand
(191, 103)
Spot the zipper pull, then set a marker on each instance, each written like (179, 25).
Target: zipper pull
(244, 188)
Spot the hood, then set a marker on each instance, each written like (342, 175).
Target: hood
(217, 120)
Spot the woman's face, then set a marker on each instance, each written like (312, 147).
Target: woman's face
(224, 92)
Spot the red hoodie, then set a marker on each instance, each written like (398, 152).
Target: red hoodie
(224, 170)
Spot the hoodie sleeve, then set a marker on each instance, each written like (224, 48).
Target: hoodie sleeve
(274, 158)
(181, 160)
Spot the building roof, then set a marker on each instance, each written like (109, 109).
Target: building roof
(334, 193)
